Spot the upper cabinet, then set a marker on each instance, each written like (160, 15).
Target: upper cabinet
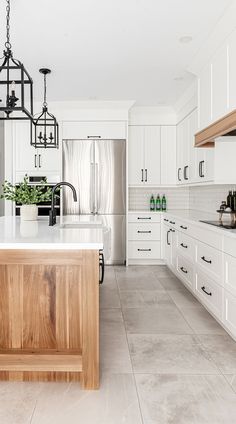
(144, 155)
(29, 160)
(94, 129)
(217, 84)
(152, 155)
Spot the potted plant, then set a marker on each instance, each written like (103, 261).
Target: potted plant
(28, 196)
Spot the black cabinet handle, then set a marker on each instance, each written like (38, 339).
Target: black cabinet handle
(172, 222)
(184, 245)
(142, 175)
(201, 169)
(204, 290)
(40, 161)
(184, 270)
(144, 250)
(179, 169)
(148, 217)
(167, 220)
(185, 172)
(93, 136)
(184, 228)
(145, 175)
(144, 232)
(35, 161)
(101, 267)
(206, 260)
(167, 237)
(171, 229)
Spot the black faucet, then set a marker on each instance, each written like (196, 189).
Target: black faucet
(52, 212)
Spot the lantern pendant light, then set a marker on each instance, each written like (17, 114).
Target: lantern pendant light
(45, 129)
(16, 85)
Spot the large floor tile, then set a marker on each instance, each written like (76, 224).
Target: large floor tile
(231, 378)
(172, 283)
(144, 298)
(222, 349)
(162, 320)
(183, 298)
(139, 282)
(109, 295)
(201, 321)
(115, 402)
(114, 354)
(169, 354)
(17, 402)
(175, 399)
(111, 322)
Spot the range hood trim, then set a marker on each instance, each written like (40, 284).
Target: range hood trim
(222, 127)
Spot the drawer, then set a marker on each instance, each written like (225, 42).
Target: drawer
(230, 273)
(185, 270)
(186, 245)
(210, 293)
(229, 245)
(210, 260)
(144, 217)
(143, 231)
(229, 319)
(210, 237)
(144, 250)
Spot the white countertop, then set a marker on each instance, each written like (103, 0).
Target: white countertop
(15, 234)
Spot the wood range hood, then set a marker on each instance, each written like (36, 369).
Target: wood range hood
(225, 126)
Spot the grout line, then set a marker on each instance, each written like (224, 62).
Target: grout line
(32, 415)
(126, 335)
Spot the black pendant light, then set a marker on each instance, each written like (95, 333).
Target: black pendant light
(45, 129)
(16, 85)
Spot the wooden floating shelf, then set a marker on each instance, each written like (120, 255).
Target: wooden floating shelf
(225, 125)
(48, 360)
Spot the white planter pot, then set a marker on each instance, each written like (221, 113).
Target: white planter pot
(29, 213)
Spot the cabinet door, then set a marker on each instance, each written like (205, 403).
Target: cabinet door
(205, 97)
(168, 155)
(186, 150)
(49, 160)
(180, 150)
(26, 159)
(220, 83)
(232, 70)
(136, 155)
(167, 245)
(94, 129)
(152, 155)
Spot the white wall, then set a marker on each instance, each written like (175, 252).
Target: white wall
(2, 164)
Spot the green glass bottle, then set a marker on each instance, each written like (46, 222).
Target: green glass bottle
(158, 203)
(163, 203)
(152, 203)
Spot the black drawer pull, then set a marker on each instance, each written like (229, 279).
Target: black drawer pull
(204, 290)
(144, 232)
(184, 228)
(184, 245)
(144, 250)
(172, 222)
(205, 260)
(184, 270)
(167, 220)
(149, 217)
(173, 231)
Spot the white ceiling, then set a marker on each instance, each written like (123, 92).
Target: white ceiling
(110, 49)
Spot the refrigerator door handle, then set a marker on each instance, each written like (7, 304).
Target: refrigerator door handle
(96, 190)
(92, 190)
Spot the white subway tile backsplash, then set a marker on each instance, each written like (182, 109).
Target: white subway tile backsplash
(207, 198)
(177, 198)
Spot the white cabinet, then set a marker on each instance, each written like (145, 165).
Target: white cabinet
(232, 70)
(168, 155)
(30, 160)
(205, 96)
(94, 129)
(219, 83)
(169, 245)
(144, 155)
(185, 149)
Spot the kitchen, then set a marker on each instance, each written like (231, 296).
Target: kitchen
(118, 212)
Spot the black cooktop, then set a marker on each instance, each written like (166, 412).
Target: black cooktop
(227, 226)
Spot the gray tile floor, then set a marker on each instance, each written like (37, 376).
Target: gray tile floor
(164, 360)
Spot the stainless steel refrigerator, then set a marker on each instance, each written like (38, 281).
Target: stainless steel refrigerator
(97, 169)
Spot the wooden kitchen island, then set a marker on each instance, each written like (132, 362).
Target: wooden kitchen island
(49, 305)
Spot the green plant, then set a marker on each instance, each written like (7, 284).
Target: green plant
(26, 194)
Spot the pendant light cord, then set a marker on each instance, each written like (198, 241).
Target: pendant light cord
(45, 92)
(8, 8)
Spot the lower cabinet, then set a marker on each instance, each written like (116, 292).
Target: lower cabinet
(208, 272)
(144, 237)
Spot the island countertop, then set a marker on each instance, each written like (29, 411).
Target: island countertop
(17, 234)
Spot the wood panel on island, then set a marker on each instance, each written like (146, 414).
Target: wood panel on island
(49, 316)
